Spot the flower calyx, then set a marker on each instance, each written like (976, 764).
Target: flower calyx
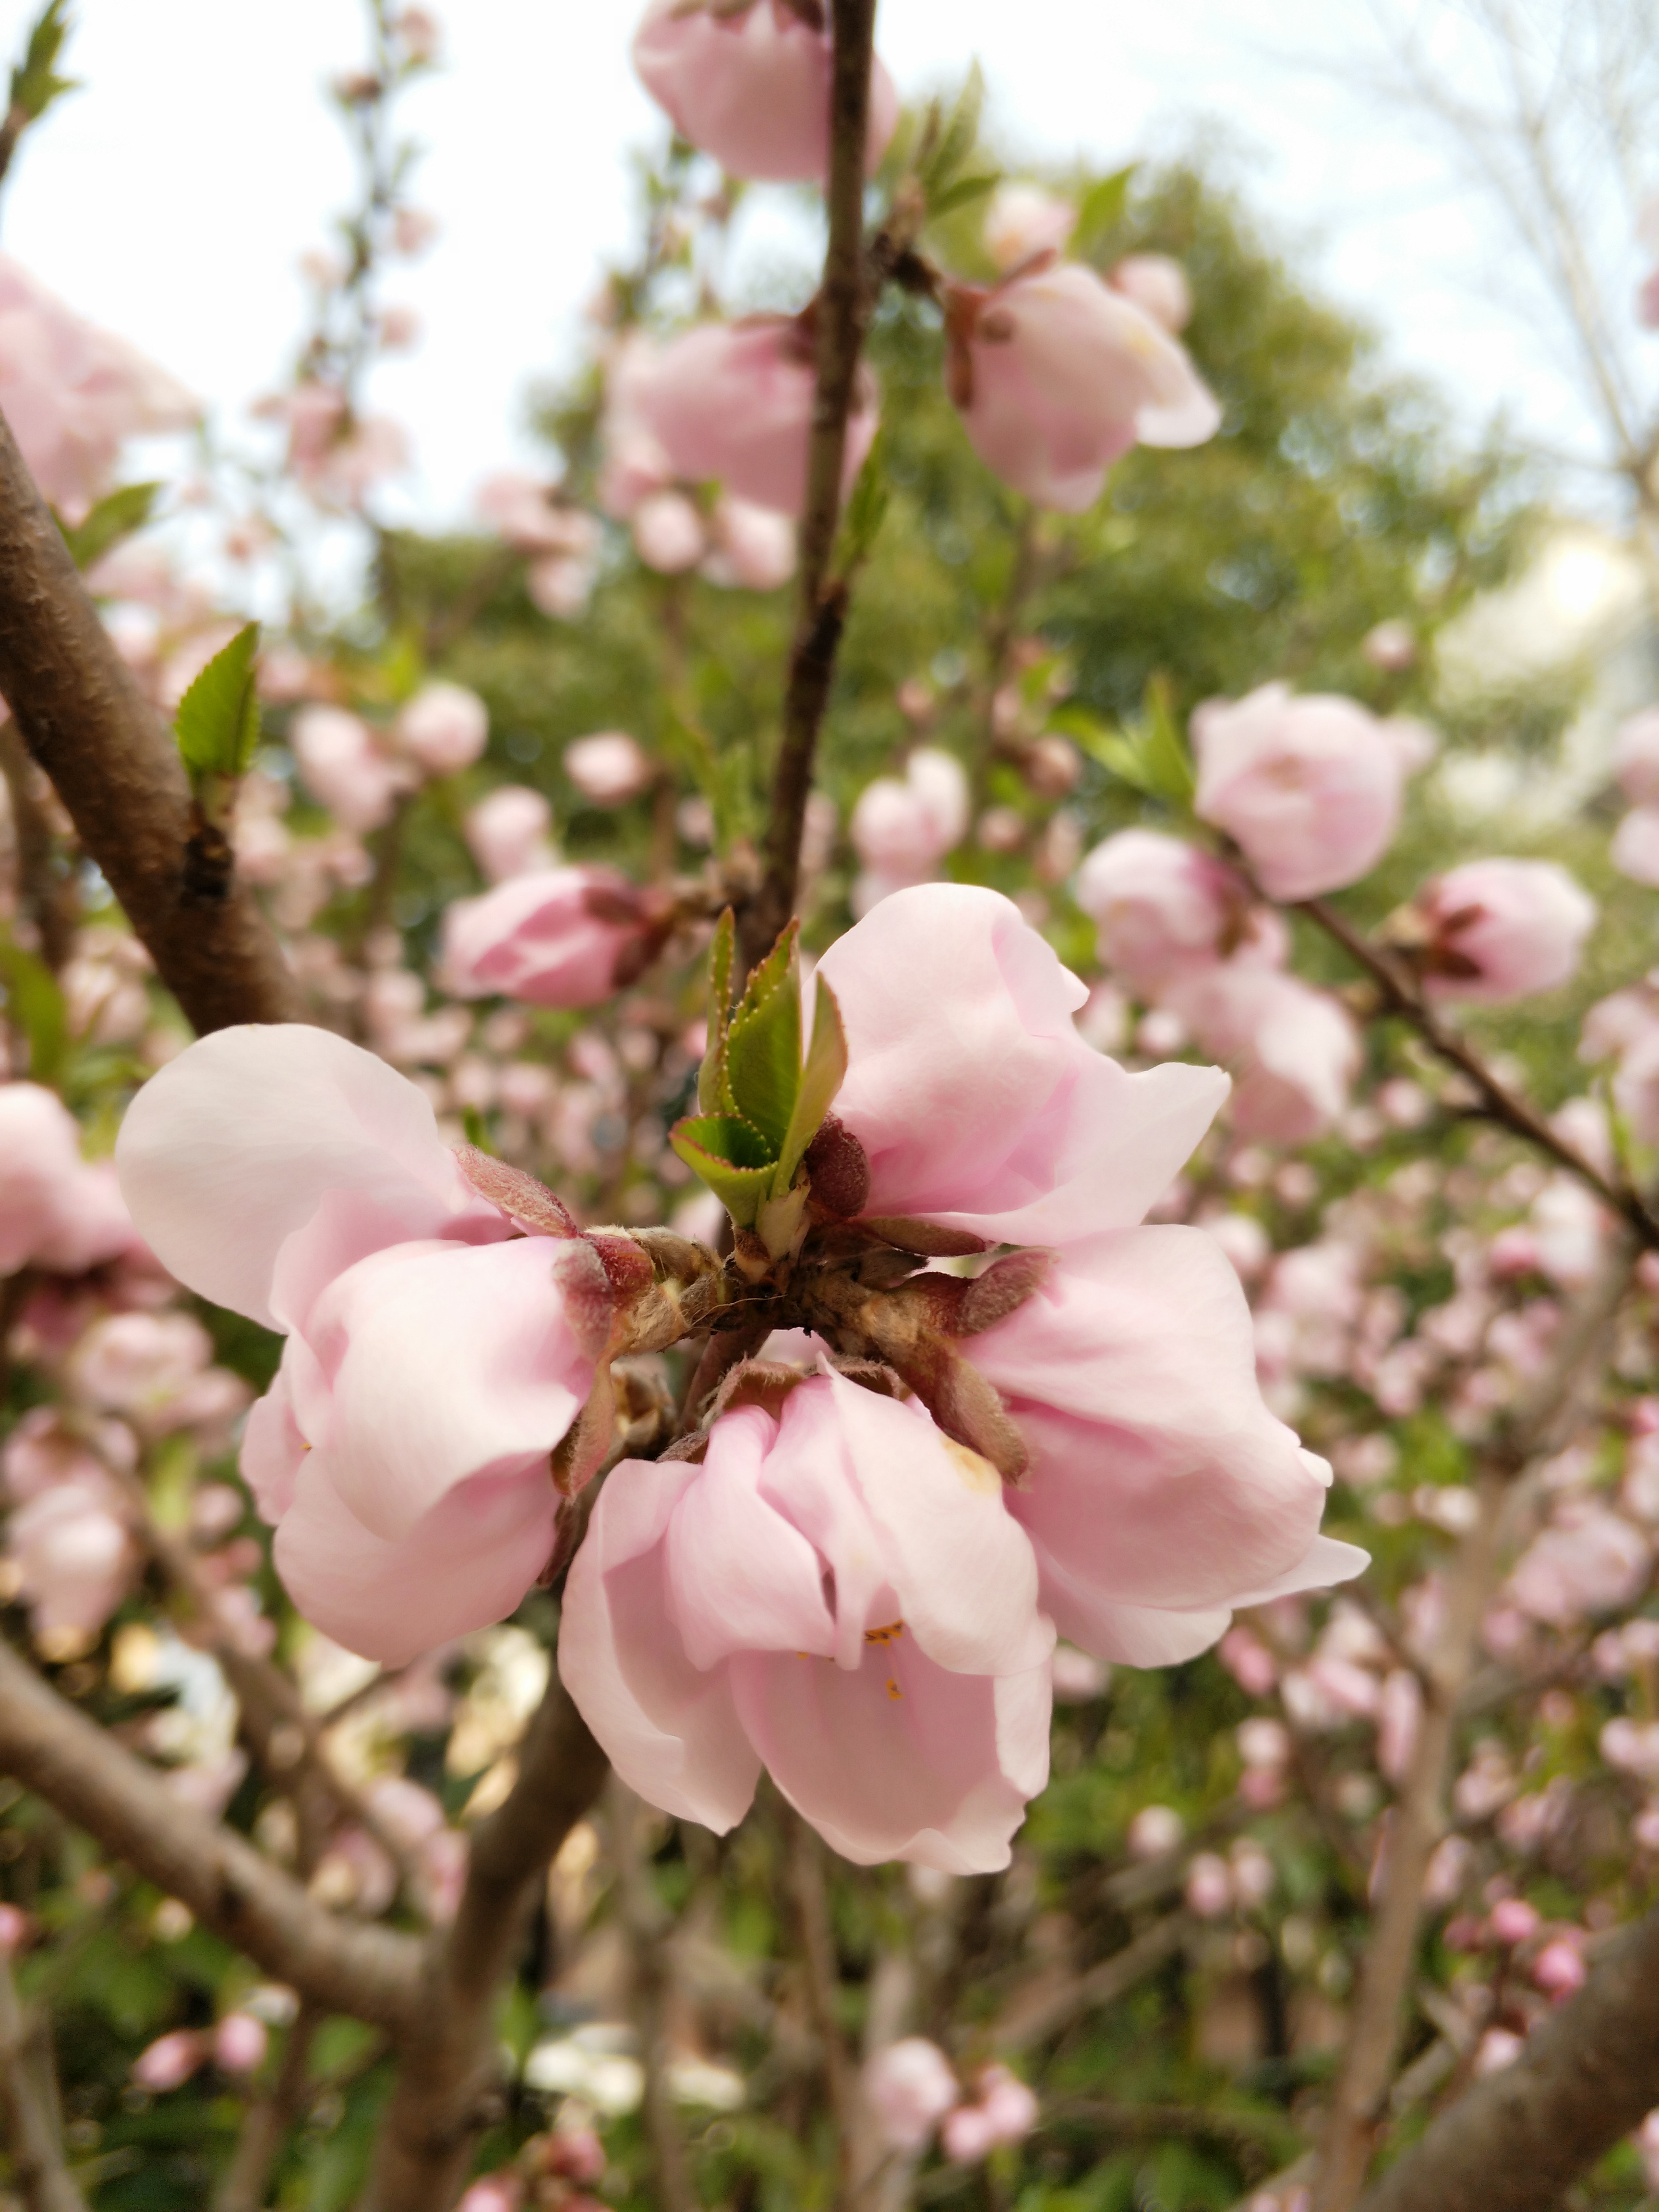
(767, 1382)
(764, 1094)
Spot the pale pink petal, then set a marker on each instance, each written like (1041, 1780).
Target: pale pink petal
(739, 1577)
(671, 1731)
(233, 1146)
(273, 1449)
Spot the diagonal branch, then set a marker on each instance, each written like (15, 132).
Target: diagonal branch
(370, 1973)
(43, 2180)
(447, 2092)
(843, 313)
(116, 769)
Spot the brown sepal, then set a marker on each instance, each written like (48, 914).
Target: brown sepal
(838, 1168)
(589, 1441)
(518, 1195)
(925, 1237)
(590, 1303)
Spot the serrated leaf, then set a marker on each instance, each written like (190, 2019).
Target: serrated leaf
(728, 1138)
(1101, 210)
(762, 1046)
(962, 192)
(714, 1090)
(35, 1006)
(704, 1142)
(111, 519)
(218, 721)
(820, 1078)
(957, 139)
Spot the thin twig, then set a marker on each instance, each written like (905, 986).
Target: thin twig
(817, 1951)
(1398, 996)
(37, 2155)
(645, 1922)
(1534, 1429)
(267, 2120)
(118, 771)
(843, 309)
(1024, 2025)
(368, 1972)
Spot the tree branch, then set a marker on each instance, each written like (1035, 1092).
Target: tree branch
(37, 2159)
(445, 2094)
(843, 310)
(645, 1922)
(1534, 1430)
(345, 1966)
(267, 2121)
(116, 769)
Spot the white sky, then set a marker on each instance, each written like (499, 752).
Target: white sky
(170, 199)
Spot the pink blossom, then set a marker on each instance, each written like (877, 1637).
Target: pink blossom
(151, 1367)
(1057, 376)
(1022, 219)
(1296, 1050)
(732, 402)
(1209, 1885)
(1155, 1831)
(1635, 847)
(1163, 908)
(610, 767)
(432, 1365)
(494, 2192)
(910, 2087)
(443, 728)
(55, 1211)
(521, 510)
(1399, 1721)
(556, 937)
(668, 533)
(74, 1555)
(1560, 1969)
(73, 394)
(750, 86)
(1504, 929)
(1636, 757)
(1513, 1921)
(901, 829)
(1309, 789)
(1162, 1493)
(345, 768)
(1498, 2048)
(1591, 1561)
(839, 1594)
(508, 832)
(239, 2043)
(977, 1100)
(1391, 645)
(169, 2061)
(1158, 285)
(754, 548)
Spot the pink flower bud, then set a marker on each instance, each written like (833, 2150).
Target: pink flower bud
(1010, 2107)
(444, 728)
(1309, 789)
(1560, 1969)
(1209, 1886)
(1296, 1050)
(508, 832)
(750, 85)
(609, 769)
(1498, 2048)
(902, 830)
(1501, 930)
(494, 2192)
(668, 533)
(1635, 848)
(1022, 219)
(345, 768)
(55, 1211)
(1392, 647)
(559, 936)
(910, 2087)
(1636, 757)
(169, 2061)
(968, 2135)
(1159, 286)
(1163, 908)
(239, 2043)
(1155, 1831)
(574, 2153)
(732, 403)
(14, 1930)
(754, 548)
(1056, 376)
(1513, 1921)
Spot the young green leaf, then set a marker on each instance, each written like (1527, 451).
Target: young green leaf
(762, 1047)
(820, 1078)
(110, 520)
(866, 509)
(218, 722)
(34, 82)
(705, 1144)
(1168, 764)
(714, 1088)
(34, 1005)
(960, 194)
(957, 139)
(1102, 210)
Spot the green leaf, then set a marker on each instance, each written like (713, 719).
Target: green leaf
(714, 1086)
(111, 519)
(957, 139)
(742, 1187)
(762, 1047)
(34, 81)
(866, 509)
(1150, 755)
(1101, 210)
(35, 1006)
(820, 1078)
(964, 190)
(1169, 764)
(218, 722)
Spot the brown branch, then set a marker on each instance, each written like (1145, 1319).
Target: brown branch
(1399, 995)
(1534, 1429)
(345, 1966)
(1586, 2077)
(645, 1922)
(843, 311)
(1021, 2026)
(447, 2092)
(817, 1952)
(118, 771)
(43, 2180)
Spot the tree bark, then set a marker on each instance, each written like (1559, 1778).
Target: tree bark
(118, 771)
